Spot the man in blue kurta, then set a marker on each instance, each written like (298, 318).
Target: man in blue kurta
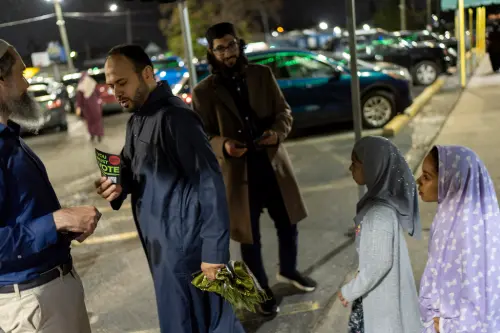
(178, 195)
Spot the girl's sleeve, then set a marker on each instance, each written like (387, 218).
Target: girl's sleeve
(375, 252)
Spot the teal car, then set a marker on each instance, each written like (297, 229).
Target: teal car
(318, 88)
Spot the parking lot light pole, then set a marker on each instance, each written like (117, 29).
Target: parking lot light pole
(402, 14)
(64, 35)
(188, 43)
(355, 93)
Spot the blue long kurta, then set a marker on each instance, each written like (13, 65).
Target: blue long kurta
(180, 209)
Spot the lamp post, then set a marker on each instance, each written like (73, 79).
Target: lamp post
(64, 35)
(355, 90)
(113, 8)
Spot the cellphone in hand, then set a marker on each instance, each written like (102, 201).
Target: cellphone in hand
(239, 145)
(262, 137)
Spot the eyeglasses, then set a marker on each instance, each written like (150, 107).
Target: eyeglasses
(231, 47)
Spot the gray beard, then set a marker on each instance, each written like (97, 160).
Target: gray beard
(25, 111)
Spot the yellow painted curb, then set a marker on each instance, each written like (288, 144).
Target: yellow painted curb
(397, 123)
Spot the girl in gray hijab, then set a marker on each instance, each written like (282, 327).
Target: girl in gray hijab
(383, 293)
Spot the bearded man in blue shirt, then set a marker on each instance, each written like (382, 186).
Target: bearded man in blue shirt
(39, 289)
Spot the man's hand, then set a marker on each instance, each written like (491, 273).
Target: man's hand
(210, 270)
(108, 190)
(342, 299)
(234, 148)
(270, 138)
(80, 220)
(436, 324)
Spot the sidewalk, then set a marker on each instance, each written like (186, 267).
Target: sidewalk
(474, 122)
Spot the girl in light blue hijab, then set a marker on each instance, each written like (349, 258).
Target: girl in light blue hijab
(383, 294)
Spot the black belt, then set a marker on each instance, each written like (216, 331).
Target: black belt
(44, 278)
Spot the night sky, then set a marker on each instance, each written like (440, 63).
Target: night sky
(35, 36)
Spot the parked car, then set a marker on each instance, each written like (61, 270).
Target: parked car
(106, 95)
(171, 69)
(183, 87)
(422, 36)
(429, 36)
(384, 67)
(318, 88)
(54, 104)
(424, 60)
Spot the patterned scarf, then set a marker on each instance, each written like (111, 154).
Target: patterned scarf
(461, 282)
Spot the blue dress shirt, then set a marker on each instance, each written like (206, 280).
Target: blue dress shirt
(29, 242)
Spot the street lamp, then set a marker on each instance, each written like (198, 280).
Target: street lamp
(63, 32)
(366, 27)
(323, 25)
(114, 8)
(337, 30)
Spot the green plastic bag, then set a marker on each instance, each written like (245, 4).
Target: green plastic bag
(236, 284)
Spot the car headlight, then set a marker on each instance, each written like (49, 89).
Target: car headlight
(399, 74)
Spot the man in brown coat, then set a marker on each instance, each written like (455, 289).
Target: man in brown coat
(247, 119)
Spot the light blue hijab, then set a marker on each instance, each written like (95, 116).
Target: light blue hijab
(389, 181)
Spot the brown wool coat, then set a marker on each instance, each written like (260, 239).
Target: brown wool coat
(222, 121)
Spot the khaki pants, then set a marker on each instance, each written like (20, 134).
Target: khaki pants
(55, 307)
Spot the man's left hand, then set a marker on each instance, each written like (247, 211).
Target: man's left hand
(270, 138)
(210, 270)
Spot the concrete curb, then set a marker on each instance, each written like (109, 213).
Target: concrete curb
(401, 120)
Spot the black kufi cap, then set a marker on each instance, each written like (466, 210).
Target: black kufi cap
(218, 31)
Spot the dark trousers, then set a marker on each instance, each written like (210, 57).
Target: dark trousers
(264, 192)
(495, 60)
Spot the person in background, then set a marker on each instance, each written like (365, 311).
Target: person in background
(88, 106)
(493, 47)
(40, 290)
(247, 120)
(460, 287)
(383, 294)
(178, 198)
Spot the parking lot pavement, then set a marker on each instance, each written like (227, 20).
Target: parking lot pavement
(112, 263)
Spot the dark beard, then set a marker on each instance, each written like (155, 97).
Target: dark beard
(25, 111)
(140, 95)
(220, 68)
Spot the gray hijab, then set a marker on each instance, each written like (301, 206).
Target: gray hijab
(389, 181)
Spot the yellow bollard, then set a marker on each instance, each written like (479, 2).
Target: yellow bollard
(461, 17)
(478, 35)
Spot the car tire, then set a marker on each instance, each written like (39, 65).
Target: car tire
(425, 73)
(63, 127)
(377, 108)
